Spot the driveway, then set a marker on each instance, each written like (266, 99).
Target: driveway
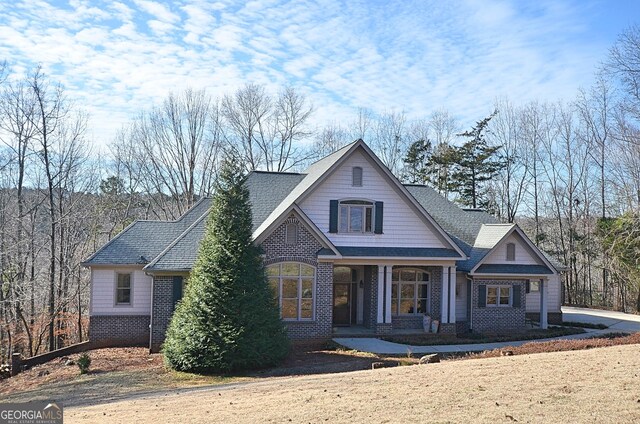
(617, 321)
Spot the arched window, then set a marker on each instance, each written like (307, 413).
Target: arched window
(356, 176)
(511, 251)
(410, 294)
(293, 285)
(356, 216)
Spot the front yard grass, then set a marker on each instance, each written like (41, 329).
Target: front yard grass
(436, 339)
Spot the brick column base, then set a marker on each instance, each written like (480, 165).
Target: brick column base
(382, 329)
(447, 328)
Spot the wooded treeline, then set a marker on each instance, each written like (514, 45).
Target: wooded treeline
(568, 172)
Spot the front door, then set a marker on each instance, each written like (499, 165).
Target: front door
(341, 304)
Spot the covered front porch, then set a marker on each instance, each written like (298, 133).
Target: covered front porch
(392, 297)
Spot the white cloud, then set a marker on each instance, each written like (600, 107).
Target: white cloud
(159, 10)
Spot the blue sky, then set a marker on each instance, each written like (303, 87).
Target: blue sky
(116, 58)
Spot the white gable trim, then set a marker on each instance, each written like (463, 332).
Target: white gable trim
(532, 247)
(421, 212)
(310, 226)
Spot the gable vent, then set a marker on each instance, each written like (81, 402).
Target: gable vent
(292, 233)
(357, 176)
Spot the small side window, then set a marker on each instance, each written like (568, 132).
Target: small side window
(123, 289)
(357, 176)
(292, 234)
(511, 252)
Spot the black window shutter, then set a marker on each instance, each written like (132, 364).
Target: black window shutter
(482, 296)
(333, 216)
(527, 287)
(379, 215)
(516, 296)
(177, 290)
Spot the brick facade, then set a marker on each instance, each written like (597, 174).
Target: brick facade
(119, 330)
(304, 250)
(497, 319)
(162, 310)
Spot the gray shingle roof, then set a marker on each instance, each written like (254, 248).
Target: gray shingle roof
(267, 190)
(181, 254)
(513, 269)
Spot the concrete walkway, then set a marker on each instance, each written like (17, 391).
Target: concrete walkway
(617, 322)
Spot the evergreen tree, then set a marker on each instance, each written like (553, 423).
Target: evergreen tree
(440, 165)
(476, 162)
(416, 161)
(227, 319)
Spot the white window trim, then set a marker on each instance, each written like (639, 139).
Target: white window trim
(370, 205)
(400, 282)
(497, 304)
(300, 277)
(115, 291)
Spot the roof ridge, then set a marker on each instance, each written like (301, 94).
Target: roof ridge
(346, 146)
(259, 171)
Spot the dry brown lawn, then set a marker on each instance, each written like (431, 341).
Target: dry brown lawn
(596, 385)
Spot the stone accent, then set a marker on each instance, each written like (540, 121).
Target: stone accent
(498, 319)
(119, 330)
(552, 317)
(162, 310)
(305, 250)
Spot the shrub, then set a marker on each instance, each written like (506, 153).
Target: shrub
(227, 319)
(84, 361)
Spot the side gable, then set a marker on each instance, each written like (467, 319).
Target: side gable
(528, 258)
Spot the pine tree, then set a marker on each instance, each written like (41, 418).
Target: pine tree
(227, 319)
(476, 163)
(416, 161)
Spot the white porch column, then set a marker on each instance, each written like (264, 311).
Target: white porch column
(452, 291)
(380, 294)
(444, 319)
(543, 305)
(387, 296)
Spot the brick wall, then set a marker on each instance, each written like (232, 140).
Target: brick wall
(552, 317)
(304, 250)
(498, 319)
(162, 310)
(119, 330)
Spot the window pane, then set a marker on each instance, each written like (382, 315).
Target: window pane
(344, 219)
(289, 268)
(395, 275)
(394, 291)
(356, 216)
(368, 219)
(394, 306)
(534, 286)
(273, 269)
(492, 296)
(504, 291)
(406, 306)
(307, 270)
(124, 296)
(422, 276)
(289, 308)
(407, 275)
(407, 291)
(124, 281)
(342, 274)
(422, 306)
(289, 288)
(273, 285)
(306, 308)
(423, 291)
(307, 289)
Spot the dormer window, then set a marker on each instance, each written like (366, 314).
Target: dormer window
(356, 216)
(511, 251)
(356, 176)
